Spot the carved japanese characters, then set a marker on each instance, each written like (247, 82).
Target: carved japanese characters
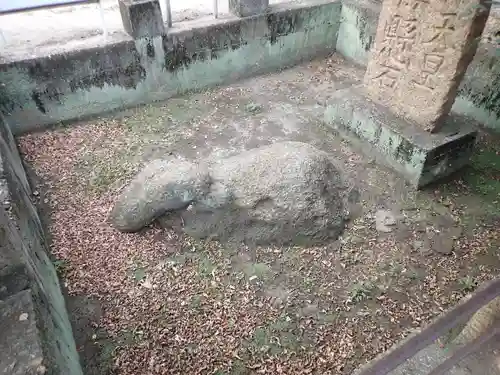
(422, 50)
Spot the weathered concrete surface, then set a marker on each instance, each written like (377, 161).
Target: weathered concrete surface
(481, 323)
(419, 156)
(20, 347)
(287, 192)
(25, 263)
(13, 274)
(141, 18)
(49, 89)
(424, 361)
(477, 92)
(483, 362)
(432, 356)
(479, 95)
(246, 8)
(357, 30)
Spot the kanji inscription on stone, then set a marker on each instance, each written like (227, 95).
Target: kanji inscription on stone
(421, 52)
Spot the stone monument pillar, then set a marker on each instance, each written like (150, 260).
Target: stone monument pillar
(421, 53)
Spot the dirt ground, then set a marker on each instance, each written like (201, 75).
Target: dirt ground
(168, 304)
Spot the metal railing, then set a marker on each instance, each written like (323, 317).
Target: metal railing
(397, 356)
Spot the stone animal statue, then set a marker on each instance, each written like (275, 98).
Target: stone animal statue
(286, 192)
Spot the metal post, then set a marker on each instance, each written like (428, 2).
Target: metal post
(216, 9)
(168, 13)
(103, 22)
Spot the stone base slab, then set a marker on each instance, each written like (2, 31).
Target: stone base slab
(421, 157)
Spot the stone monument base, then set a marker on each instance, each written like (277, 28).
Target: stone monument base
(421, 157)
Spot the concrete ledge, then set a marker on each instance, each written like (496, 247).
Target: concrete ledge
(25, 263)
(419, 156)
(65, 87)
(245, 8)
(478, 95)
(20, 347)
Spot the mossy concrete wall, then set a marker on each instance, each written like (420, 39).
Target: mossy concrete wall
(49, 89)
(28, 280)
(358, 26)
(479, 95)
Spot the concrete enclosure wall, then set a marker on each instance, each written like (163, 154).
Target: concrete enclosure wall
(49, 89)
(479, 95)
(45, 90)
(36, 331)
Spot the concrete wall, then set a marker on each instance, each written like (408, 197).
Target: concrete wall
(479, 95)
(358, 25)
(480, 90)
(49, 89)
(36, 331)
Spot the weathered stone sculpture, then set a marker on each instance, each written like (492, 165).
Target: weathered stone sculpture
(287, 192)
